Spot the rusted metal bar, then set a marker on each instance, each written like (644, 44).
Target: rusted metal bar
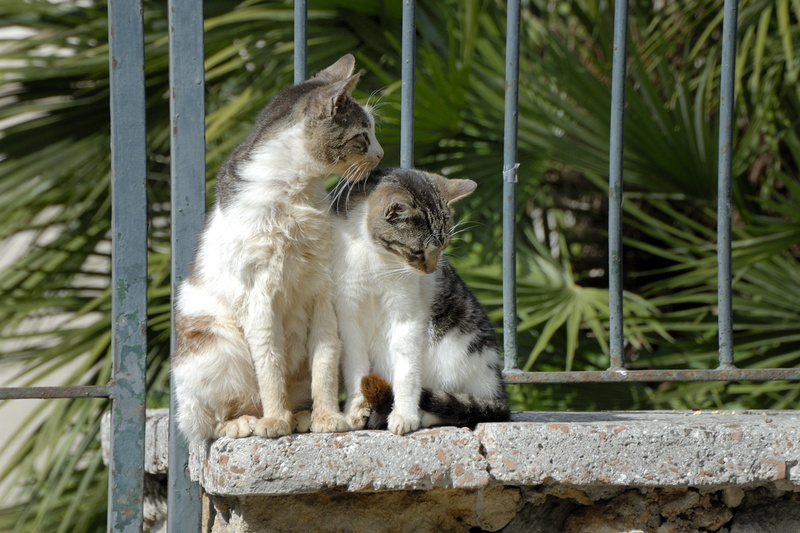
(641, 376)
(75, 391)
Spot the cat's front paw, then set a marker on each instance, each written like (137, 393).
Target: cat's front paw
(357, 415)
(238, 428)
(272, 427)
(401, 424)
(357, 421)
(329, 423)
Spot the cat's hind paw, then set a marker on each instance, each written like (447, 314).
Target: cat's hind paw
(302, 421)
(238, 428)
(400, 424)
(272, 427)
(329, 423)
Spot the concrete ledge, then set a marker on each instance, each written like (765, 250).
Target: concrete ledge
(590, 451)
(356, 461)
(616, 472)
(645, 449)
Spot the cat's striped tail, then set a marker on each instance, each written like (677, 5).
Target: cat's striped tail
(450, 409)
(463, 409)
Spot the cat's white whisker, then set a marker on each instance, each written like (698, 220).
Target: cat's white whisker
(373, 94)
(335, 193)
(349, 190)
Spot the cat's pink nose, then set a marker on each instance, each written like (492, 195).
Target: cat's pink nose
(379, 155)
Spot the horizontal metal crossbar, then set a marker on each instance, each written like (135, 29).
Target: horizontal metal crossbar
(75, 391)
(661, 375)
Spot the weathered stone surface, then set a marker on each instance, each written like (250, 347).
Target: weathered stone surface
(588, 452)
(542, 515)
(655, 449)
(779, 515)
(357, 461)
(156, 440)
(488, 509)
(655, 472)
(661, 511)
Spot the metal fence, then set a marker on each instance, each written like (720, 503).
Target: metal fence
(129, 227)
(616, 372)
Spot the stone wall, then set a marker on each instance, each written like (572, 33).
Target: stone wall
(733, 472)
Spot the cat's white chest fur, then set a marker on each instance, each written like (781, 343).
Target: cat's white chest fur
(387, 307)
(281, 223)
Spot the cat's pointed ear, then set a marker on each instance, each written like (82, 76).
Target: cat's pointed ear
(341, 70)
(457, 189)
(330, 98)
(396, 208)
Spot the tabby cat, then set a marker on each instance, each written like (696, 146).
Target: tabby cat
(257, 340)
(404, 313)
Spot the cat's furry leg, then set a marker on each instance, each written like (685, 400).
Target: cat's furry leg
(263, 329)
(355, 366)
(325, 350)
(358, 412)
(407, 343)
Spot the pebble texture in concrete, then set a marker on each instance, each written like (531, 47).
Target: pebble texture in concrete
(357, 461)
(635, 449)
(587, 450)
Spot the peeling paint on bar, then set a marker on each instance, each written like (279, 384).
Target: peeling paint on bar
(128, 265)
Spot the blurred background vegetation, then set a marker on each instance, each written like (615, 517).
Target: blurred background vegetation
(54, 191)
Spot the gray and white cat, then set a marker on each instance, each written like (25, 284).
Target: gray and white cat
(256, 330)
(403, 311)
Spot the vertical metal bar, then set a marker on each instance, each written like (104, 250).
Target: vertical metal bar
(510, 187)
(300, 40)
(615, 154)
(407, 85)
(187, 147)
(128, 265)
(726, 105)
